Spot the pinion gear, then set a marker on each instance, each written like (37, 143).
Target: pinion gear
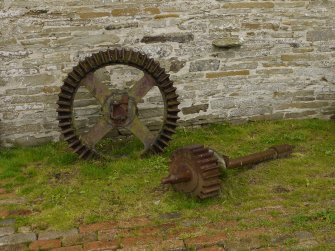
(119, 110)
(194, 170)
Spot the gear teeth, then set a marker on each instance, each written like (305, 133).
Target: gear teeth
(63, 124)
(163, 77)
(65, 131)
(158, 72)
(80, 72)
(211, 174)
(166, 136)
(85, 68)
(209, 167)
(148, 64)
(155, 66)
(173, 103)
(171, 124)
(163, 142)
(78, 148)
(109, 57)
(209, 195)
(68, 89)
(64, 96)
(61, 117)
(74, 143)
(63, 109)
(199, 151)
(212, 159)
(169, 130)
(171, 96)
(74, 76)
(91, 62)
(158, 147)
(169, 116)
(211, 189)
(205, 155)
(66, 103)
(71, 136)
(202, 161)
(171, 89)
(84, 154)
(70, 83)
(166, 84)
(213, 182)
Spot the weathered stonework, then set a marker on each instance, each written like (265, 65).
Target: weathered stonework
(230, 60)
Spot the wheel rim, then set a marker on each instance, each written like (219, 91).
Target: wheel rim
(119, 109)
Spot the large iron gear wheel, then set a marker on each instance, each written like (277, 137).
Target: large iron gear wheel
(119, 110)
(194, 170)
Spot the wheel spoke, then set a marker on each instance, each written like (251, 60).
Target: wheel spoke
(97, 132)
(93, 82)
(142, 87)
(141, 132)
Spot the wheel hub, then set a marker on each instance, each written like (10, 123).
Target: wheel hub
(120, 109)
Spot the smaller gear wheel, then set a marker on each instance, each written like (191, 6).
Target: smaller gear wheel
(194, 170)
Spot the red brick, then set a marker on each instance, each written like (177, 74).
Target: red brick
(71, 248)
(96, 227)
(107, 235)
(101, 245)
(202, 241)
(44, 244)
(140, 240)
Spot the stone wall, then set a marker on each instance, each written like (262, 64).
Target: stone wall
(230, 60)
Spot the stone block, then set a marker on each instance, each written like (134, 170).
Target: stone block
(71, 240)
(205, 65)
(178, 37)
(194, 109)
(17, 238)
(49, 235)
(6, 231)
(227, 74)
(248, 5)
(228, 42)
(321, 35)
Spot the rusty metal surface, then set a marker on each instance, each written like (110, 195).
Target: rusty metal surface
(253, 159)
(118, 109)
(194, 170)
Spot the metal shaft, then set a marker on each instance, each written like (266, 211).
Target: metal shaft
(274, 152)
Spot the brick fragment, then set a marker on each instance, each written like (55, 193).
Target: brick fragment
(44, 244)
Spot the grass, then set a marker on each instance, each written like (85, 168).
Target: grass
(285, 195)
